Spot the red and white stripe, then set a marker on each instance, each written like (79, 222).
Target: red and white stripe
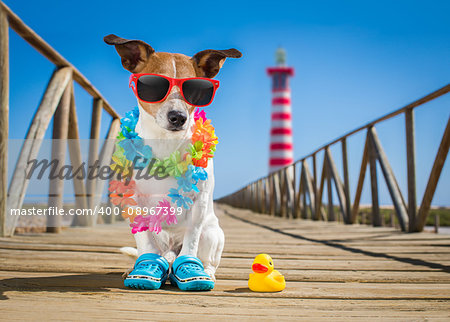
(281, 146)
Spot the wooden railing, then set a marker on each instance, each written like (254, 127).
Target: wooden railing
(279, 195)
(58, 102)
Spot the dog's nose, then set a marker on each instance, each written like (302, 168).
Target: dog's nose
(176, 119)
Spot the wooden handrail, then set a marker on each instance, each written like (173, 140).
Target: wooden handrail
(441, 91)
(58, 103)
(427, 98)
(409, 218)
(52, 55)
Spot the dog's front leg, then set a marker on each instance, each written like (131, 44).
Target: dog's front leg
(194, 230)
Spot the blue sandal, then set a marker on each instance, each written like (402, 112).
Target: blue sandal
(149, 273)
(189, 274)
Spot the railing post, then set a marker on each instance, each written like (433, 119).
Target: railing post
(317, 211)
(411, 163)
(59, 146)
(309, 189)
(93, 152)
(104, 160)
(338, 184)
(301, 194)
(277, 186)
(255, 197)
(4, 116)
(33, 141)
(283, 193)
(391, 182)
(266, 199)
(79, 186)
(376, 219)
(320, 192)
(436, 223)
(346, 182)
(305, 203)
(330, 216)
(438, 164)
(362, 175)
(260, 195)
(294, 190)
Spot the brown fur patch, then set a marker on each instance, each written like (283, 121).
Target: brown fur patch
(208, 62)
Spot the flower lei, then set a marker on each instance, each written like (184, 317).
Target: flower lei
(187, 169)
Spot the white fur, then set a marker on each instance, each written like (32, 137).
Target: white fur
(174, 68)
(198, 232)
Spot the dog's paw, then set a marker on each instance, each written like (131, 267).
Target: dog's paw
(170, 256)
(127, 272)
(129, 251)
(210, 271)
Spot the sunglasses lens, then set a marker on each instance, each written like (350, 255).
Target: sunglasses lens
(198, 92)
(152, 88)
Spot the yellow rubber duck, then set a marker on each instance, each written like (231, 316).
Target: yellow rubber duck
(265, 278)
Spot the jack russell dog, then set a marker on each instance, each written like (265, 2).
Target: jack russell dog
(168, 88)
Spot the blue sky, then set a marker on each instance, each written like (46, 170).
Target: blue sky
(354, 62)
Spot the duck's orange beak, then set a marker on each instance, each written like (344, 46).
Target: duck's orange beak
(259, 268)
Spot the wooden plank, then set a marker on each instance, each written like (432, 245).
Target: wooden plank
(75, 261)
(319, 276)
(391, 182)
(59, 146)
(296, 290)
(52, 55)
(362, 175)
(76, 161)
(32, 143)
(4, 118)
(375, 218)
(433, 180)
(232, 301)
(411, 164)
(338, 184)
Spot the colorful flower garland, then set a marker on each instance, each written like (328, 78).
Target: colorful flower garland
(132, 153)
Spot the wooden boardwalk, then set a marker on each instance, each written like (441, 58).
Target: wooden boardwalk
(332, 271)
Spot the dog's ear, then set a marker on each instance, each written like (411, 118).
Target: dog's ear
(207, 63)
(134, 53)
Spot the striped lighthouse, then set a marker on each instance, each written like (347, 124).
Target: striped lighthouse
(281, 145)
